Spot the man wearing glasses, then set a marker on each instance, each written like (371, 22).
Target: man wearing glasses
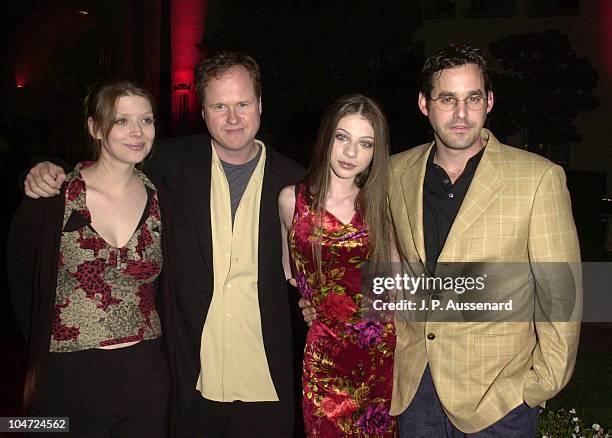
(465, 198)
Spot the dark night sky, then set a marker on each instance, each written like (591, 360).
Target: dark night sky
(310, 53)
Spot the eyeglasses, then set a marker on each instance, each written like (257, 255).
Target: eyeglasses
(475, 102)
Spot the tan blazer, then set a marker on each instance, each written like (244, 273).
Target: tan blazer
(517, 209)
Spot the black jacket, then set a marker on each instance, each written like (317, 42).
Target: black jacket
(182, 166)
(32, 265)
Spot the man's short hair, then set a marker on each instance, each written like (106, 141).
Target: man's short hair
(453, 55)
(217, 65)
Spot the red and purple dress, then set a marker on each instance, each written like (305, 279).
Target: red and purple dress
(348, 361)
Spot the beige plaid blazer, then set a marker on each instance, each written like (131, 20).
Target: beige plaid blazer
(517, 209)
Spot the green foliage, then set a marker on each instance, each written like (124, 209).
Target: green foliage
(562, 424)
(589, 392)
(590, 388)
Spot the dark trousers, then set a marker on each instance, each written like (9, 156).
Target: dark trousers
(210, 419)
(111, 393)
(425, 417)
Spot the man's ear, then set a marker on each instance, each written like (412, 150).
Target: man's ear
(90, 126)
(259, 105)
(490, 101)
(203, 114)
(423, 104)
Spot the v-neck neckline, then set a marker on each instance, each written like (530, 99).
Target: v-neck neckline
(344, 224)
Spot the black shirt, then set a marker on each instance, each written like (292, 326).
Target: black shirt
(441, 202)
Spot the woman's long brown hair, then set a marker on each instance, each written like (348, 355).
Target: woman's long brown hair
(371, 202)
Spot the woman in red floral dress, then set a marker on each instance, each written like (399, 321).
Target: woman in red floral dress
(84, 271)
(333, 223)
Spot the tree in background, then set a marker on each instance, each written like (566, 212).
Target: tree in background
(541, 89)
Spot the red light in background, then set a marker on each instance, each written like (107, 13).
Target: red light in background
(187, 31)
(20, 80)
(605, 14)
(57, 29)
(182, 88)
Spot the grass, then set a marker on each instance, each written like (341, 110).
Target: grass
(589, 391)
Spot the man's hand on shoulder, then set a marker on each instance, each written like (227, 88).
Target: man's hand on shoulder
(44, 180)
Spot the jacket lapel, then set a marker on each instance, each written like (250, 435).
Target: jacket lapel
(485, 187)
(197, 186)
(269, 223)
(412, 188)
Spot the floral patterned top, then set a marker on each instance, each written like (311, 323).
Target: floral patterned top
(348, 360)
(105, 295)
